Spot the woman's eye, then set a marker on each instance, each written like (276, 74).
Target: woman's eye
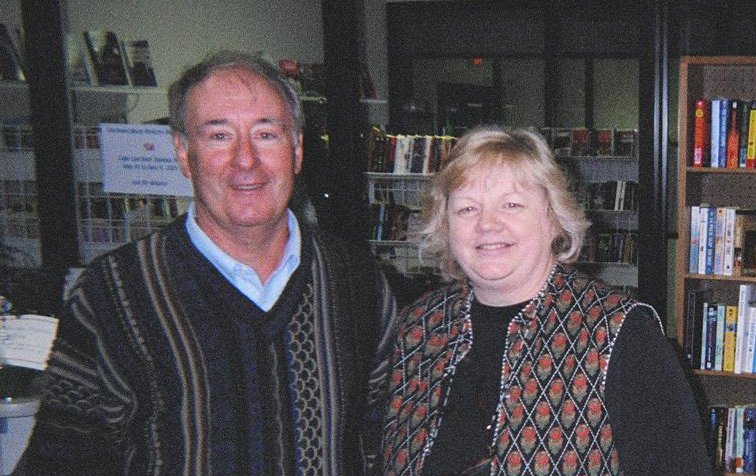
(466, 210)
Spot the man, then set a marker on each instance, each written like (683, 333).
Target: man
(236, 340)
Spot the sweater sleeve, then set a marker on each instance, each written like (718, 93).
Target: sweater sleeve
(654, 415)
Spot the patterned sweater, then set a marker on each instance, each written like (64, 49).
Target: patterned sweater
(162, 367)
(552, 415)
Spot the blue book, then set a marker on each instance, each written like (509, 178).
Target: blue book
(719, 340)
(724, 111)
(695, 211)
(714, 133)
(749, 440)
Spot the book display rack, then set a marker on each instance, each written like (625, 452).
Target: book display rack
(714, 303)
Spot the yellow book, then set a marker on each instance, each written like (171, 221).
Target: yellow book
(731, 325)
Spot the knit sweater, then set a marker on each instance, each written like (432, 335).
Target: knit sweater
(162, 367)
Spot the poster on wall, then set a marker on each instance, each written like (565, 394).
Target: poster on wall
(140, 159)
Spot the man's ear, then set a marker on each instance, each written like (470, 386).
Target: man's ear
(182, 154)
(298, 154)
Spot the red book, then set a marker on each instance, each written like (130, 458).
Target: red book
(701, 133)
(733, 135)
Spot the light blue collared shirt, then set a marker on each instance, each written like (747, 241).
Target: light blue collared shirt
(243, 277)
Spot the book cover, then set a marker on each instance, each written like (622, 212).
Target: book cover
(78, 66)
(701, 134)
(733, 135)
(705, 336)
(717, 437)
(562, 138)
(715, 105)
(417, 155)
(695, 218)
(737, 459)
(580, 141)
(626, 142)
(11, 62)
(107, 57)
(730, 334)
(745, 296)
(139, 62)
(749, 440)
(603, 142)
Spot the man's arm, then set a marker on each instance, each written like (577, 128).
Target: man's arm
(654, 416)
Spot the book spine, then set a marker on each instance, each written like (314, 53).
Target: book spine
(751, 345)
(749, 440)
(730, 333)
(703, 223)
(751, 148)
(711, 336)
(711, 230)
(728, 263)
(719, 240)
(714, 133)
(733, 134)
(695, 213)
(704, 335)
(743, 121)
(719, 339)
(724, 109)
(744, 298)
(701, 116)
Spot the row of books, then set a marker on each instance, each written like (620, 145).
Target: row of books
(407, 154)
(99, 57)
(393, 222)
(724, 133)
(612, 195)
(732, 438)
(721, 336)
(582, 142)
(619, 246)
(722, 241)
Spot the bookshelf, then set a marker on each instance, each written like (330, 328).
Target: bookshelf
(707, 78)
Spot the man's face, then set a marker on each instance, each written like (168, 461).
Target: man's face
(239, 153)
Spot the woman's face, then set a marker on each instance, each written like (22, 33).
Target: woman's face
(500, 233)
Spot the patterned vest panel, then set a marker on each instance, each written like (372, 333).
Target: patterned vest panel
(551, 417)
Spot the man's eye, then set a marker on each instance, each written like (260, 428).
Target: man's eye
(219, 136)
(466, 210)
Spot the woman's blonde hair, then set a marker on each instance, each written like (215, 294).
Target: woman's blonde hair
(531, 160)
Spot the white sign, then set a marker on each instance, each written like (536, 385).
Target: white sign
(140, 159)
(26, 340)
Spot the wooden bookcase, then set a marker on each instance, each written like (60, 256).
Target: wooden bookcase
(707, 78)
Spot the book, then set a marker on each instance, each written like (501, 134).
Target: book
(562, 141)
(711, 230)
(139, 62)
(719, 337)
(717, 436)
(603, 142)
(719, 240)
(730, 334)
(107, 57)
(724, 110)
(743, 122)
(749, 440)
(728, 262)
(732, 145)
(715, 106)
(78, 65)
(745, 296)
(12, 67)
(703, 237)
(626, 142)
(751, 147)
(751, 343)
(580, 141)
(710, 342)
(695, 214)
(701, 134)
(743, 254)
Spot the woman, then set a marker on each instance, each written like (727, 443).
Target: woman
(520, 365)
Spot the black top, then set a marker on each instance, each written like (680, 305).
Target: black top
(655, 421)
